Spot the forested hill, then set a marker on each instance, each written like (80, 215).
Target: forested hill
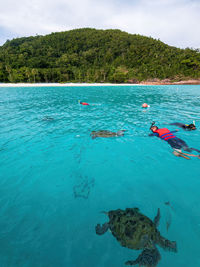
(90, 55)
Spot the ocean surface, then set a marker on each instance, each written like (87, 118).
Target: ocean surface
(55, 180)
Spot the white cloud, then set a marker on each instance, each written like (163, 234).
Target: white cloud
(175, 22)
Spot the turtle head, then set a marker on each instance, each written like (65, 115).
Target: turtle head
(110, 214)
(93, 134)
(114, 213)
(121, 133)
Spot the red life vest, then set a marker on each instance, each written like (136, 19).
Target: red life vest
(84, 103)
(165, 134)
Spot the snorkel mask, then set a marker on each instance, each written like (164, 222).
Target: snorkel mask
(152, 124)
(192, 126)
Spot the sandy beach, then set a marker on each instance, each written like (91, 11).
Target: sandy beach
(157, 82)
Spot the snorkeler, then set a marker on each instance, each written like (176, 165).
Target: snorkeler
(83, 103)
(176, 143)
(186, 127)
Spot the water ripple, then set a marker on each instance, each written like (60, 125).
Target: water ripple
(55, 179)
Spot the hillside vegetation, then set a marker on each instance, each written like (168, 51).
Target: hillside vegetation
(90, 55)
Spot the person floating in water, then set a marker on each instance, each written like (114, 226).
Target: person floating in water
(83, 103)
(176, 143)
(186, 127)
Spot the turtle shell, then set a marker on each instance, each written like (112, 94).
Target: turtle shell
(103, 133)
(133, 229)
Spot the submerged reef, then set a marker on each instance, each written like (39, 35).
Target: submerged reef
(83, 189)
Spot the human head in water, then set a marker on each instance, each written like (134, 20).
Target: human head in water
(153, 127)
(145, 105)
(191, 126)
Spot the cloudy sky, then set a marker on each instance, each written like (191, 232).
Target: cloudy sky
(175, 22)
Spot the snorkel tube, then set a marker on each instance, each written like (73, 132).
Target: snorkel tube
(152, 124)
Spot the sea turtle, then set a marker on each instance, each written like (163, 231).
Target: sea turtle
(105, 133)
(136, 231)
(47, 118)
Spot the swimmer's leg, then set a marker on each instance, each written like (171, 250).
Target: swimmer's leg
(174, 143)
(183, 145)
(195, 149)
(121, 133)
(179, 154)
(186, 147)
(178, 144)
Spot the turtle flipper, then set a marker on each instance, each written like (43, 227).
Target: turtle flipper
(157, 218)
(167, 244)
(101, 229)
(149, 258)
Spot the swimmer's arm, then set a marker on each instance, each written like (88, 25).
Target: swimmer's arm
(174, 131)
(153, 134)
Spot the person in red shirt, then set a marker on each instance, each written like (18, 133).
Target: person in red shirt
(83, 103)
(176, 143)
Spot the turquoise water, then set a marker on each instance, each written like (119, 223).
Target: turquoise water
(55, 180)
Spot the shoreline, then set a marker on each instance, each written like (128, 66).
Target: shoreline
(63, 84)
(168, 82)
(157, 82)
